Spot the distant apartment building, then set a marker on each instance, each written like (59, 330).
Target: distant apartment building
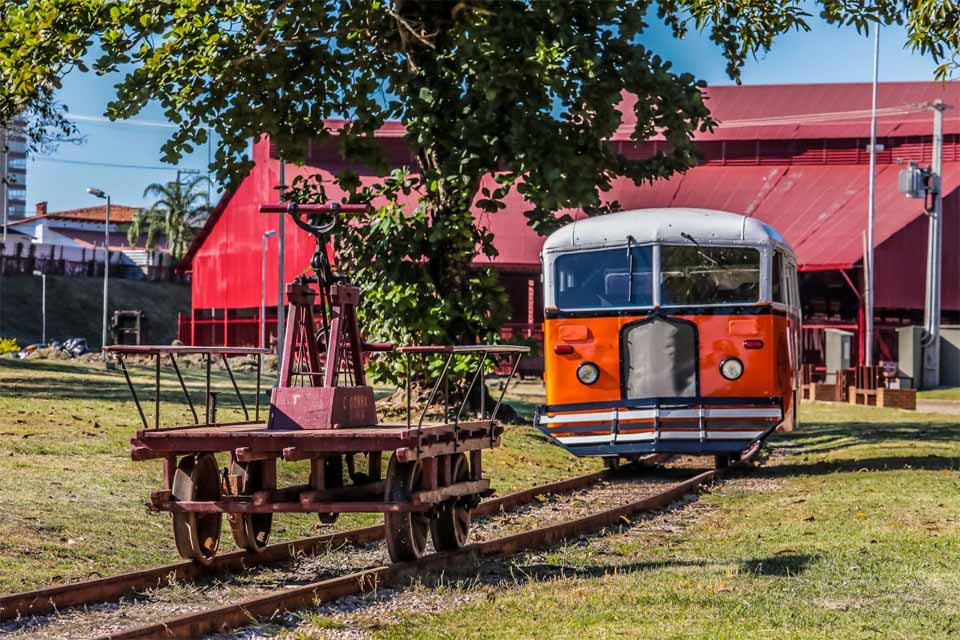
(13, 170)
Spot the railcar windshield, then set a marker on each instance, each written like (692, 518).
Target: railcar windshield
(608, 278)
(702, 275)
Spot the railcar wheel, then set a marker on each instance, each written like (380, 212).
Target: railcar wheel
(451, 528)
(611, 462)
(406, 530)
(251, 531)
(197, 534)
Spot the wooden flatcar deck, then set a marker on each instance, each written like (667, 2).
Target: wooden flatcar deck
(409, 442)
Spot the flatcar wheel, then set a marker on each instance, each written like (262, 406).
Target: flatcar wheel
(197, 534)
(251, 531)
(451, 527)
(406, 530)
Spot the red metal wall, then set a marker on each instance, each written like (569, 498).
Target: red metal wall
(226, 269)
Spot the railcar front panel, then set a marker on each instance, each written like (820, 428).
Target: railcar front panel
(660, 387)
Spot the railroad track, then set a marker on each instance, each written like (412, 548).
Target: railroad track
(243, 612)
(113, 588)
(232, 616)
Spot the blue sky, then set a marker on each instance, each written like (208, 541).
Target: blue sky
(826, 54)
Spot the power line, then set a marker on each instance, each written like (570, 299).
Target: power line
(114, 165)
(835, 116)
(78, 117)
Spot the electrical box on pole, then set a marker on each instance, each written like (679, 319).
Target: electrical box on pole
(915, 181)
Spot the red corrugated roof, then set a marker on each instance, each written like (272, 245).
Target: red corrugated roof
(821, 211)
(838, 110)
(119, 214)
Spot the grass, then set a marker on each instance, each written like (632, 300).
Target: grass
(73, 502)
(949, 393)
(852, 530)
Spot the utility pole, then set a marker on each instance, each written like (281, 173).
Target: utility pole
(281, 285)
(931, 309)
(868, 257)
(4, 159)
(106, 277)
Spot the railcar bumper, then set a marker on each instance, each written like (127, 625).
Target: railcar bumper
(660, 425)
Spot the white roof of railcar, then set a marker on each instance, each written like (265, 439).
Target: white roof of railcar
(706, 226)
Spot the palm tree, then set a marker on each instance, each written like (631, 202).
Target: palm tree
(177, 210)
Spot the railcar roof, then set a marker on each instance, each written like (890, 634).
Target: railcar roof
(664, 225)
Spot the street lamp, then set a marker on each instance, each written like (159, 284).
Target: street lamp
(263, 285)
(99, 193)
(43, 306)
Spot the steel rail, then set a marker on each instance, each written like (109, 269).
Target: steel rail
(225, 618)
(110, 588)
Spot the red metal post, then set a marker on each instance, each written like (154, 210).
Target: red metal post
(861, 333)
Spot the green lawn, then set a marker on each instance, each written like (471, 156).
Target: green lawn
(851, 530)
(950, 393)
(73, 502)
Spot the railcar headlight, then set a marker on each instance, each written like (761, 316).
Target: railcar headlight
(588, 373)
(731, 368)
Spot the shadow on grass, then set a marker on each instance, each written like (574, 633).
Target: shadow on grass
(506, 571)
(887, 463)
(781, 566)
(841, 436)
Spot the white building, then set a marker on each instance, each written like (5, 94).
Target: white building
(75, 238)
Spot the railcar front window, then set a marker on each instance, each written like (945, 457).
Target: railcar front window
(700, 275)
(604, 279)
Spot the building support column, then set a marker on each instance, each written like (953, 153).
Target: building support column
(861, 333)
(861, 320)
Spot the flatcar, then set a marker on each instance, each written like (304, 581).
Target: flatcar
(671, 331)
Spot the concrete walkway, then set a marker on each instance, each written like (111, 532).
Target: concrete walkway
(948, 407)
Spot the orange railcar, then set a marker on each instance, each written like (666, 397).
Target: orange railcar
(668, 331)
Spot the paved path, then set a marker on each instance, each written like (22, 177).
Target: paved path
(949, 407)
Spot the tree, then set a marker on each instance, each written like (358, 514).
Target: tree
(177, 210)
(524, 91)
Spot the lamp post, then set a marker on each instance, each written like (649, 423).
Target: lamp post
(43, 306)
(263, 285)
(99, 193)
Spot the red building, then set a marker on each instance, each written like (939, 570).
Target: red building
(794, 156)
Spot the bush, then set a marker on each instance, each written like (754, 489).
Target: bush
(8, 345)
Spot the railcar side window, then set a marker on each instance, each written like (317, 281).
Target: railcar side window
(776, 279)
(601, 279)
(695, 275)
